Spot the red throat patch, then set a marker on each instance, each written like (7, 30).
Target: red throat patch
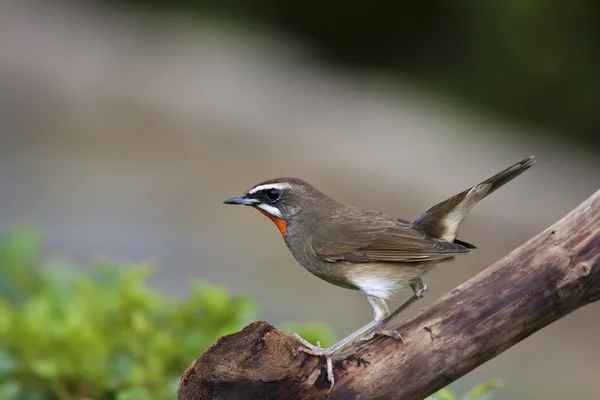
(281, 224)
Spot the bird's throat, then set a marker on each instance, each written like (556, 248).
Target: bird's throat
(281, 224)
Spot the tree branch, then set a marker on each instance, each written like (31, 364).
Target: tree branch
(543, 280)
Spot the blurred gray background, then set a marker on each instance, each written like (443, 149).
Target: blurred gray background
(121, 134)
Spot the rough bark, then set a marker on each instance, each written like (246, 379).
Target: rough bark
(543, 280)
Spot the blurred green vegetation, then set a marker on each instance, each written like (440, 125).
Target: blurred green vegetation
(104, 333)
(534, 62)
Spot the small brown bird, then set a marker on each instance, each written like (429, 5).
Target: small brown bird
(367, 250)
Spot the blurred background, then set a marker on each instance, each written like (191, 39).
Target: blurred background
(124, 124)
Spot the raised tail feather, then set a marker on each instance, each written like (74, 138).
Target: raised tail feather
(442, 220)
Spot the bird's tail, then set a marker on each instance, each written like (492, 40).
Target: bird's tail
(442, 220)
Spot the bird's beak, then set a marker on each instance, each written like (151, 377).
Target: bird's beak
(242, 200)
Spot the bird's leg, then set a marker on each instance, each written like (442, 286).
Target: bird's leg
(419, 289)
(381, 312)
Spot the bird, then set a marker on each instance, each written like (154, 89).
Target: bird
(367, 250)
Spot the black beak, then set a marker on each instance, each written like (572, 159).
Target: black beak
(242, 200)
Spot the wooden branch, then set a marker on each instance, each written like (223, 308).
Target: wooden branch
(543, 280)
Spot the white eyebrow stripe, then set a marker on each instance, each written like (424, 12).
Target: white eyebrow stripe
(271, 210)
(278, 186)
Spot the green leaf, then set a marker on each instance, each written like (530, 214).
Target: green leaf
(45, 368)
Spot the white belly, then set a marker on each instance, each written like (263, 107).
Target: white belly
(379, 286)
(385, 280)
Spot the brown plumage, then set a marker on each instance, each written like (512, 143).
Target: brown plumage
(367, 250)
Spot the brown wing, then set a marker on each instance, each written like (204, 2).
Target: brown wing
(381, 238)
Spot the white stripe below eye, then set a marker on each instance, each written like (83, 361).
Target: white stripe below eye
(278, 186)
(271, 210)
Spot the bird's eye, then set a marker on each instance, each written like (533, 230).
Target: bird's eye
(273, 194)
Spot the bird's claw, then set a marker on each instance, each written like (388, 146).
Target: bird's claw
(307, 347)
(318, 351)
(330, 376)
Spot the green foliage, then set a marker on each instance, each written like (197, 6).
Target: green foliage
(479, 392)
(100, 334)
(103, 333)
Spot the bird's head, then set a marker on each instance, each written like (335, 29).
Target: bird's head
(280, 199)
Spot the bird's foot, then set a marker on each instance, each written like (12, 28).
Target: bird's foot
(317, 350)
(384, 332)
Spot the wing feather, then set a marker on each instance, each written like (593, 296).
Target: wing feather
(379, 238)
